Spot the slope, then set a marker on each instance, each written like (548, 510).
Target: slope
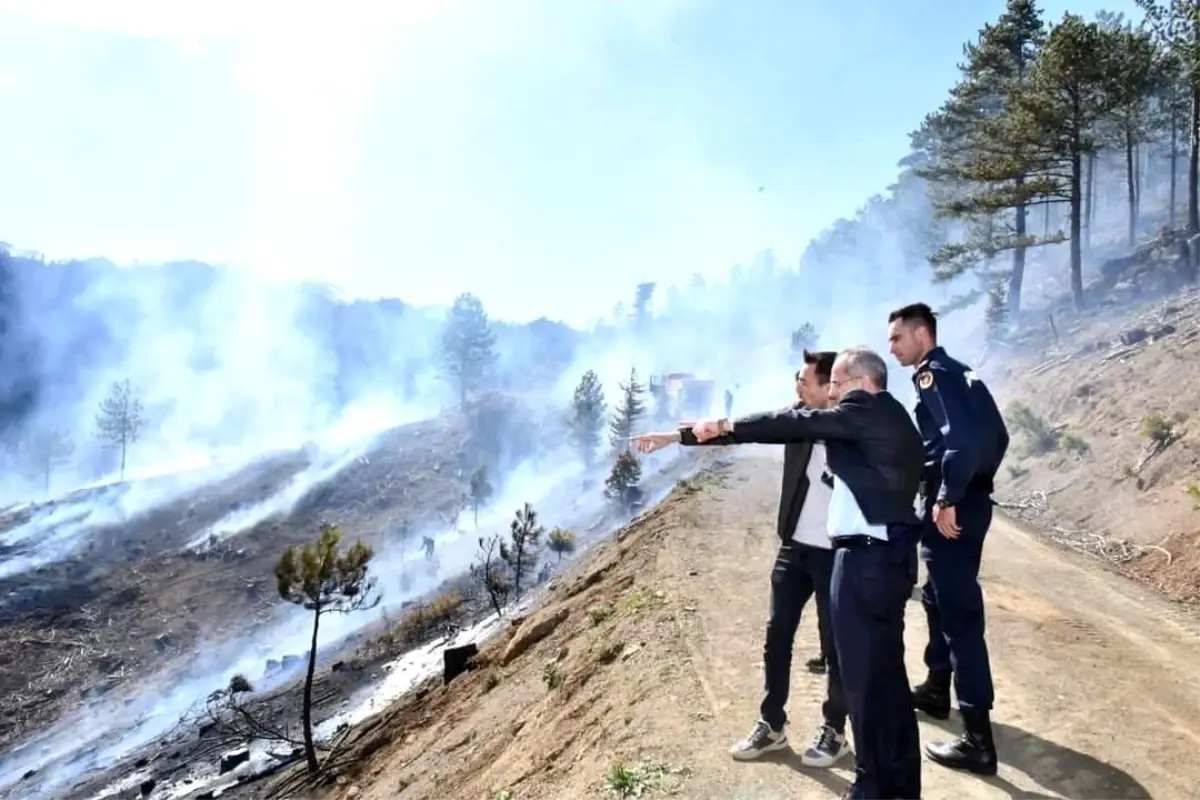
(1103, 409)
(643, 667)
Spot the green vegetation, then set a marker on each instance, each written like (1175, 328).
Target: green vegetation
(321, 577)
(1041, 112)
(1038, 437)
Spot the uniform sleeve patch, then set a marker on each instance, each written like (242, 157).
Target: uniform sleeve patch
(925, 380)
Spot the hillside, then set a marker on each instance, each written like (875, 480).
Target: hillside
(138, 598)
(643, 667)
(1103, 411)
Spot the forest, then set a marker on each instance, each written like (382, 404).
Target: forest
(1050, 127)
(1061, 144)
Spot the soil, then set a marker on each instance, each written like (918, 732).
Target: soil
(647, 669)
(1102, 382)
(135, 601)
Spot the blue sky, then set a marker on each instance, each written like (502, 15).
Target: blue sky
(544, 154)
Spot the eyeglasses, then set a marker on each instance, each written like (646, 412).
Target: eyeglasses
(855, 379)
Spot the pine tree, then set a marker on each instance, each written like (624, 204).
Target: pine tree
(120, 421)
(587, 417)
(641, 305)
(1137, 72)
(1176, 24)
(561, 542)
(622, 486)
(468, 346)
(322, 578)
(520, 552)
(480, 492)
(974, 173)
(1055, 120)
(627, 415)
(44, 450)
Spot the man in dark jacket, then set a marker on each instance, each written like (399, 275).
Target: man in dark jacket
(965, 443)
(875, 455)
(803, 569)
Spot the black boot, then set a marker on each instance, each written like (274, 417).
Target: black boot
(933, 696)
(974, 751)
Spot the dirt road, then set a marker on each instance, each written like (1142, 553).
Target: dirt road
(1098, 689)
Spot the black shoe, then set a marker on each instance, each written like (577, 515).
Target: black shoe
(817, 665)
(933, 697)
(974, 751)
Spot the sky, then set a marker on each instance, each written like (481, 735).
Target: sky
(546, 155)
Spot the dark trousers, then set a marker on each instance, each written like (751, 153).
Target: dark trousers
(953, 603)
(871, 585)
(800, 572)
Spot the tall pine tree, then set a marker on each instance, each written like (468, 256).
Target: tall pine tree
(468, 346)
(627, 414)
(587, 417)
(1176, 23)
(1055, 121)
(973, 173)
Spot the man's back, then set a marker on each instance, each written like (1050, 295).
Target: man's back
(883, 468)
(871, 442)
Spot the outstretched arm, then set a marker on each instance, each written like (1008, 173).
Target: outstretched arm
(844, 421)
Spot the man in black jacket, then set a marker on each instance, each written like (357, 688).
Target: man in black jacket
(803, 569)
(875, 455)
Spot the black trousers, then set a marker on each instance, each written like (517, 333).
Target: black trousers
(954, 603)
(871, 585)
(801, 572)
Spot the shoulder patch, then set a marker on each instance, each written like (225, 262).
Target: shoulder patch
(925, 380)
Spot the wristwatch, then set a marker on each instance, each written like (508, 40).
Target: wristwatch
(943, 504)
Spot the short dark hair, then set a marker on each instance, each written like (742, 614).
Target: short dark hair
(918, 313)
(823, 360)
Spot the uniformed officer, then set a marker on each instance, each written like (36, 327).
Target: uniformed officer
(965, 441)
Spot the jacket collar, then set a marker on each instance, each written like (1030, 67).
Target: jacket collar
(935, 353)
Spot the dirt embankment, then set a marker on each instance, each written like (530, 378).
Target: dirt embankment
(643, 667)
(1106, 453)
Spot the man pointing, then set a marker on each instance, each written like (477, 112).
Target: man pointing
(874, 454)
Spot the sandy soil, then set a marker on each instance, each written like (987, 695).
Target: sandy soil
(654, 644)
(1107, 490)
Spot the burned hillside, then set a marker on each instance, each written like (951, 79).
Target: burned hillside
(138, 597)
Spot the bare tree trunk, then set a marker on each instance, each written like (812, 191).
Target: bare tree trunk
(1090, 199)
(1131, 184)
(1194, 161)
(1017, 279)
(1076, 223)
(310, 748)
(1174, 171)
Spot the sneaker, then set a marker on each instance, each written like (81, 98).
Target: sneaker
(827, 748)
(761, 740)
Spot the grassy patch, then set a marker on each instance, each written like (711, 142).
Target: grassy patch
(640, 779)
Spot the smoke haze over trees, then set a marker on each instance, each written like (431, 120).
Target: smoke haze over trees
(1008, 208)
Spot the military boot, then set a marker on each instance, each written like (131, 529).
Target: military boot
(933, 696)
(974, 751)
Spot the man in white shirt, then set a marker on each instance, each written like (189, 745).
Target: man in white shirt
(876, 456)
(802, 571)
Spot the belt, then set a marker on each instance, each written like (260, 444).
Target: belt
(859, 540)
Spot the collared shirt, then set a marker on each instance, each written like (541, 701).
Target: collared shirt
(812, 528)
(846, 517)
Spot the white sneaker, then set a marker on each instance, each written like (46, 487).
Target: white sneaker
(761, 740)
(827, 748)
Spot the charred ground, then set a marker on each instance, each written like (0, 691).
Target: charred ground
(134, 600)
